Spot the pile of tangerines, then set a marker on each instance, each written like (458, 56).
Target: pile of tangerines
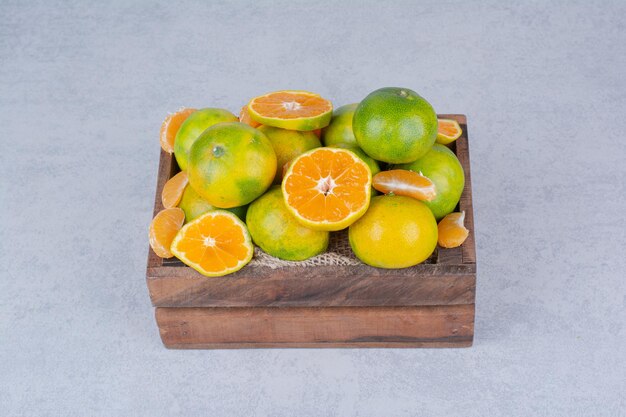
(289, 171)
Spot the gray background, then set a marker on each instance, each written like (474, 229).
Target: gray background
(84, 88)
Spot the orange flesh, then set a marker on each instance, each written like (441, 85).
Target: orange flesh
(215, 243)
(170, 127)
(163, 229)
(404, 182)
(290, 105)
(244, 117)
(327, 185)
(452, 232)
(447, 127)
(173, 190)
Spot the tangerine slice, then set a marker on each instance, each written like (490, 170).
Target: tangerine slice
(244, 117)
(405, 182)
(452, 232)
(173, 189)
(170, 127)
(448, 131)
(327, 188)
(293, 110)
(215, 244)
(163, 228)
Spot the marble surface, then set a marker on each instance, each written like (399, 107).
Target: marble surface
(84, 87)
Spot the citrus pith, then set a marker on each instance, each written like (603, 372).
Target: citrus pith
(327, 188)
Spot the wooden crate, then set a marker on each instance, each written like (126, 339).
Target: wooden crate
(428, 305)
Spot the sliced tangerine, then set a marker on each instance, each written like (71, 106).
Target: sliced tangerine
(293, 110)
(327, 188)
(448, 131)
(173, 189)
(215, 244)
(405, 182)
(163, 228)
(452, 231)
(244, 117)
(170, 127)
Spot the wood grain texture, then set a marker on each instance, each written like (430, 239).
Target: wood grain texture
(461, 148)
(167, 169)
(450, 280)
(315, 287)
(435, 326)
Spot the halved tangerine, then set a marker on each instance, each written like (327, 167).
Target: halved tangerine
(448, 131)
(215, 244)
(452, 231)
(170, 127)
(163, 228)
(173, 189)
(405, 182)
(293, 110)
(244, 117)
(327, 188)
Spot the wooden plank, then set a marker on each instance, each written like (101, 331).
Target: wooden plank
(167, 164)
(449, 256)
(206, 328)
(313, 287)
(468, 249)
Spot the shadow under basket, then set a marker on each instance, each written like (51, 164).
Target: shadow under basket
(332, 300)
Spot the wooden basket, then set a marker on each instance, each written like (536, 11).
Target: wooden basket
(428, 305)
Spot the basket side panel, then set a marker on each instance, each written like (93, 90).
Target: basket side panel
(468, 249)
(446, 326)
(167, 164)
(312, 287)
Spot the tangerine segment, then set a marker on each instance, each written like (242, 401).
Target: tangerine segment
(215, 244)
(244, 117)
(170, 127)
(452, 232)
(448, 131)
(327, 188)
(405, 182)
(163, 228)
(173, 189)
(293, 110)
